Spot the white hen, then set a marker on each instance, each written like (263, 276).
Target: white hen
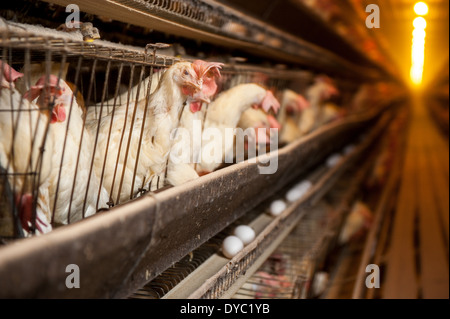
(224, 113)
(187, 143)
(74, 188)
(133, 145)
(256, 119)
(321, 91)
(23, 131)
(292, 107)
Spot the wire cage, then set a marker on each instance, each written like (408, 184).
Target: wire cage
(58, 169)
(49, 173)
(74, 135)
(40, 156)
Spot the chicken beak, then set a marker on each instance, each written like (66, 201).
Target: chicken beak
(203, 173)
(204, 99)
(196, 86)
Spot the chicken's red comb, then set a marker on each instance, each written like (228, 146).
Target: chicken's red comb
(203, 67)
(273, 122)
(36, 89)
(270, 102)
(333, 91)
(324, 78)
(52, 81)
(302, 103)
(9, 73)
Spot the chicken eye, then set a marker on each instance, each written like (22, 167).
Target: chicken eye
(186, 72)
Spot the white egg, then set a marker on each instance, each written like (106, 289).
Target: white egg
(231, 246)
(298, 191)
(277, 207)
(320, 283)
(294, 195)
(333, 160)
(245, 233)
(349, 149)
(305, 186)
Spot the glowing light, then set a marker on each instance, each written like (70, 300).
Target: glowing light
(421, 8)
(419, 34)
(420, 23)
(418, 50)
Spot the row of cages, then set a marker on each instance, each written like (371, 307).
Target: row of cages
(89, 126)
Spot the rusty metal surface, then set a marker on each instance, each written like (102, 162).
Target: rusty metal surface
(119, 251)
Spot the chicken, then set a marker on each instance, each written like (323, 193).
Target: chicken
(362, 97)
(256, 119)
(35, 72)
(320, 92)
(187, 144)
(358, 221)
(224, 114)
(330, 113)
(292, 107)
(133, 146)
(23, 131)
(74, 189)
(186, 148)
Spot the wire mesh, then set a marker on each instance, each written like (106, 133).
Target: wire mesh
(50, 111)
(288, 272)
(213, 17)
(89, 158)
(65, 173)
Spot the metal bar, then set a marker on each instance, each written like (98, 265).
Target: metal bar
(109, 135)
(121, 141)
(77, 76)
(133, 119)
(36, 180)
(64, 58)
